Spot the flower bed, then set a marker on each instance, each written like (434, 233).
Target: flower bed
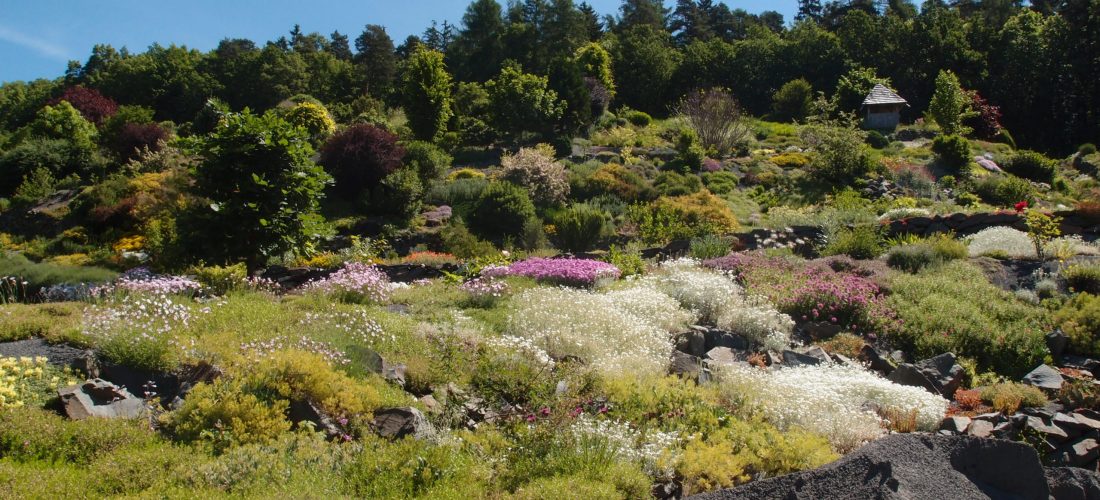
(569, 272)
(355, 282)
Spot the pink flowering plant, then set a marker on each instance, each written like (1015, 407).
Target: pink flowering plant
(142, 280)
(569, 272)
(813, 293)
(484, 291)
(356, 282)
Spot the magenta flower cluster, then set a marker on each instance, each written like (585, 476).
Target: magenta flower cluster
(571, 272)
(812, 292)
(484, 288)
(355, 282)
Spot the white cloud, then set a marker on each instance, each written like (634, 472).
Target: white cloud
(44, 47)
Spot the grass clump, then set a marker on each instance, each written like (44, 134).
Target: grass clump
(1083, 278)
(1079, 317)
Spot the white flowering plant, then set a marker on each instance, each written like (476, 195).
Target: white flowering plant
(843, 403)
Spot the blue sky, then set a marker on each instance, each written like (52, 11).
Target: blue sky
(38, 37)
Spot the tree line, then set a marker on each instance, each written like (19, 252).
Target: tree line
(1038, 63)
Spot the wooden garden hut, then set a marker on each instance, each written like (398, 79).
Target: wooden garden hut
(882, 108)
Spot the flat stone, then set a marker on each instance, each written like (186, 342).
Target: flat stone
(1044, 377)
(955, 425)
(1070, 425)
(980, 428)
(1085, 450)
(1049, 431)
(725, 355)
(99, 398)
(1090, 423)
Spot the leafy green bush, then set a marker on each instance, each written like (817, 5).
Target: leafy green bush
(427, 160)
(1083, 278)
(691, 153)
(1080, 319)
(720, 182)
(636, 118)
(501, 211)
(412, 468)
(952, 150)
(1086, 149)
(400, 194)
(261, 190)
(1004, 191)
(579, 227)
(620, 181)
(683, 217)
(841, 154)
(629, 260)
(792, 101)
(860, 242)
(1032, 165)
(985, 323)
(789, 161)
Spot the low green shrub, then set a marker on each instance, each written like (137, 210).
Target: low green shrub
(221, 279)
(720, 182)
(55, 322)
(427, 160)
(637, 118)
(412, 468)
(952, 150)
(677, 184)
(628, 260)
(460, 242)
(1086, 149)
(1004, 191)
(929, 251)
(35, 434)
(1083, 278)
(860, 242)
(1032, 165)
(579, 228)
(985, 323)
(876, 140)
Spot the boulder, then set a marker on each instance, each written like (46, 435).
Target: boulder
(817, 352)
(1052, 433)
(988, 164)
(396, 423)
(302, 411)
(721, 338)
(1072, 483)
(693, 342)
(939, 374)
(1057, 341)
(1086, 420)
(374, 362)
(792, 359)
(1078, 453)
(685, 365)
(1044, 377)
(875, 361)
(1071, 426)
(99, 398)
(912, 466)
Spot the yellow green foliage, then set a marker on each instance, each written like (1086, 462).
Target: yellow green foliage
(73, 259)
(790, 160)
(701, 210)
(670, 403)
(1007, 397)
(731, 455)
(29, 381)
(221, 279)
(222, 413)
(620, 181)
(1079, 317)
(411, 468)
(466, 173)
(575, 487)
(313, 117)
(55, 322)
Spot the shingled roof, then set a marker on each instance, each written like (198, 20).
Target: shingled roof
(883, 95)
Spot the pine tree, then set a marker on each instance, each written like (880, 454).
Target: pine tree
(426, 90)
(377, 60)
(339, 47)
(593, 28)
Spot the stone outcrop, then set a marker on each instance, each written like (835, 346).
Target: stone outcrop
(904, 466)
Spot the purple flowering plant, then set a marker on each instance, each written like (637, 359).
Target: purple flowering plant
(356, 282)
(569, 272)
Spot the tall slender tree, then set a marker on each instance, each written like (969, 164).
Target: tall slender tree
(377, 60)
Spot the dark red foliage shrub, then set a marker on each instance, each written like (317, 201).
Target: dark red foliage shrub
(988, 120)
(94, 106)
(132, 137)
(359, 157)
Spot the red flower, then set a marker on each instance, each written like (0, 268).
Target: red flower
(1021, 206)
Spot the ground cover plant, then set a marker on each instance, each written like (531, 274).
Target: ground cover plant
(544, 252)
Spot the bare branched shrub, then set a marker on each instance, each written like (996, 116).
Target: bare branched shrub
(716, 118)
